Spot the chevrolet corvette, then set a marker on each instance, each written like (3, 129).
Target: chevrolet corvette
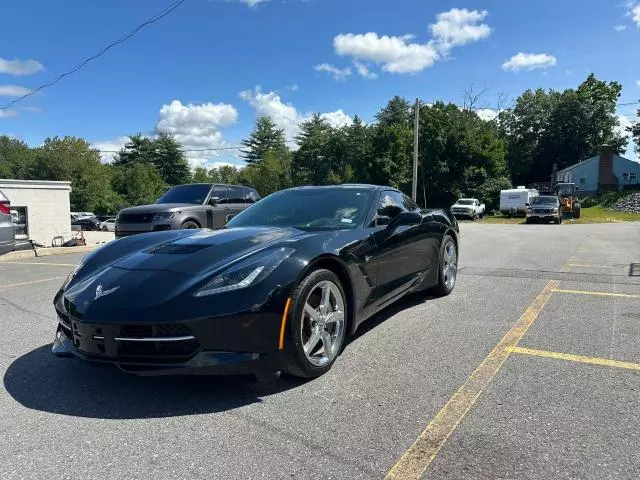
(279, 289)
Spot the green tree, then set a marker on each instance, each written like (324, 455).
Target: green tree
(311, 163)
(460, 154)
(562, 128)
(226, 174)
(162, 152)
(16, 158)
(200, 175)
(73, 159)
(271, 174)
(137, 183)
(392, 145)
(265, 138)
(634, 130)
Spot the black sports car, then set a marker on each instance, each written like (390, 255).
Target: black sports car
(278, 289)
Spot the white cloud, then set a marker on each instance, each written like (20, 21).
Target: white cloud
(20, 67)
(337, 118)
(529, 61)
(13, 91)
(8, 114)
(197, 127)
(620, 28)
(293, 88)
(487, 114)
(33, 109)
(285, 115)
(253, 3)
(634, 12)
(458, 27)
(401, 54)
(638, 83)
(395, 54)
(364, 71)
(625, 122)
(108, 147)
(340, 74)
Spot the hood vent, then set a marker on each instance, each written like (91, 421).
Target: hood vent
(176, 249)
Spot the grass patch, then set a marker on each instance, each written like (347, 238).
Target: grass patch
(589, 215)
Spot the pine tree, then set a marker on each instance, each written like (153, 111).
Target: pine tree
(265, 138)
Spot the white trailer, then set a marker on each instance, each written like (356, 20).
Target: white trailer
(514, 201)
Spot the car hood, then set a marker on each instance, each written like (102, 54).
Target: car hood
(200, 251)
(165, 263)
(158, 207)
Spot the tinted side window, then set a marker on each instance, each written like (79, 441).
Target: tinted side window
(409, 204)
(390, 205)
(236, 195)
(220, 191)
(251, 196)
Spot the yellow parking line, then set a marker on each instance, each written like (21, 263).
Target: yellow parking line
(420, 455)
(598, 294)
(40, 263)
(576, 358)
(2, 287)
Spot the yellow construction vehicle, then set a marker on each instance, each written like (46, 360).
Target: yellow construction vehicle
(569, 203)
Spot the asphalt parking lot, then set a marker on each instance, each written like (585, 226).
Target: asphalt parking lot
(530, 369)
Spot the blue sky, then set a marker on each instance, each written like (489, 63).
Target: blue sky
(205, 71)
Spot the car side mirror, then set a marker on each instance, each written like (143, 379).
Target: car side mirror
(229, 217)
(527, 204)
(405, 218)
(213, 201)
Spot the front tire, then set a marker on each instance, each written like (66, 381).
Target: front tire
(189, 225)
(448, 267)
(317, 325)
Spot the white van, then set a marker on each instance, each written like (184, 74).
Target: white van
(514, 201)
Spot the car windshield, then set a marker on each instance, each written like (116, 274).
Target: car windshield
(544, 201)
(465, 202)
(308, 209)
(194, 194)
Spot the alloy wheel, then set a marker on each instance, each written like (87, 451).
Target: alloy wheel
(449, 264)
(323, 323)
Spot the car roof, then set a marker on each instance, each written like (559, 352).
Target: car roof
(345, 186)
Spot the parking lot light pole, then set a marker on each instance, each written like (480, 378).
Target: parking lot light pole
(416, 127)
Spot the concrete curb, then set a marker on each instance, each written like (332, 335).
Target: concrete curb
(45, 252)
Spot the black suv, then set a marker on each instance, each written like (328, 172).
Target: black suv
(196, 205)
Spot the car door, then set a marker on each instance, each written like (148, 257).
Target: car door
(401, 254)
(218, 209)
(237, 200)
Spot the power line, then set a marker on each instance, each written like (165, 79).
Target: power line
(122, 39)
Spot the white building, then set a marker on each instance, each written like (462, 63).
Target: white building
(42, 206)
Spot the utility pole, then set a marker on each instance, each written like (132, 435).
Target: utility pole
(416, 136)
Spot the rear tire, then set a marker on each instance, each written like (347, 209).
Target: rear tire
(577, 210)
(316, 325)
(447, 267)
(105, 229)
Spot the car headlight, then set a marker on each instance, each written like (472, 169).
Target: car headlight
(164, 215)
(555, 210)
(245, 273)
(73, 274)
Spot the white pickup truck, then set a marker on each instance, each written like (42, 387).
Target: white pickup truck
(468, 208)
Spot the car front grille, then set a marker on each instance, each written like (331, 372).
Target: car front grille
(163, 343)
(135, 218)
(543, 211)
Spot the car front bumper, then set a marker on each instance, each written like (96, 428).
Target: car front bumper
(543, 217)
(231, 345)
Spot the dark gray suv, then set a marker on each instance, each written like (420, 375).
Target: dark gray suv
(196, 205)
(7, 228)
